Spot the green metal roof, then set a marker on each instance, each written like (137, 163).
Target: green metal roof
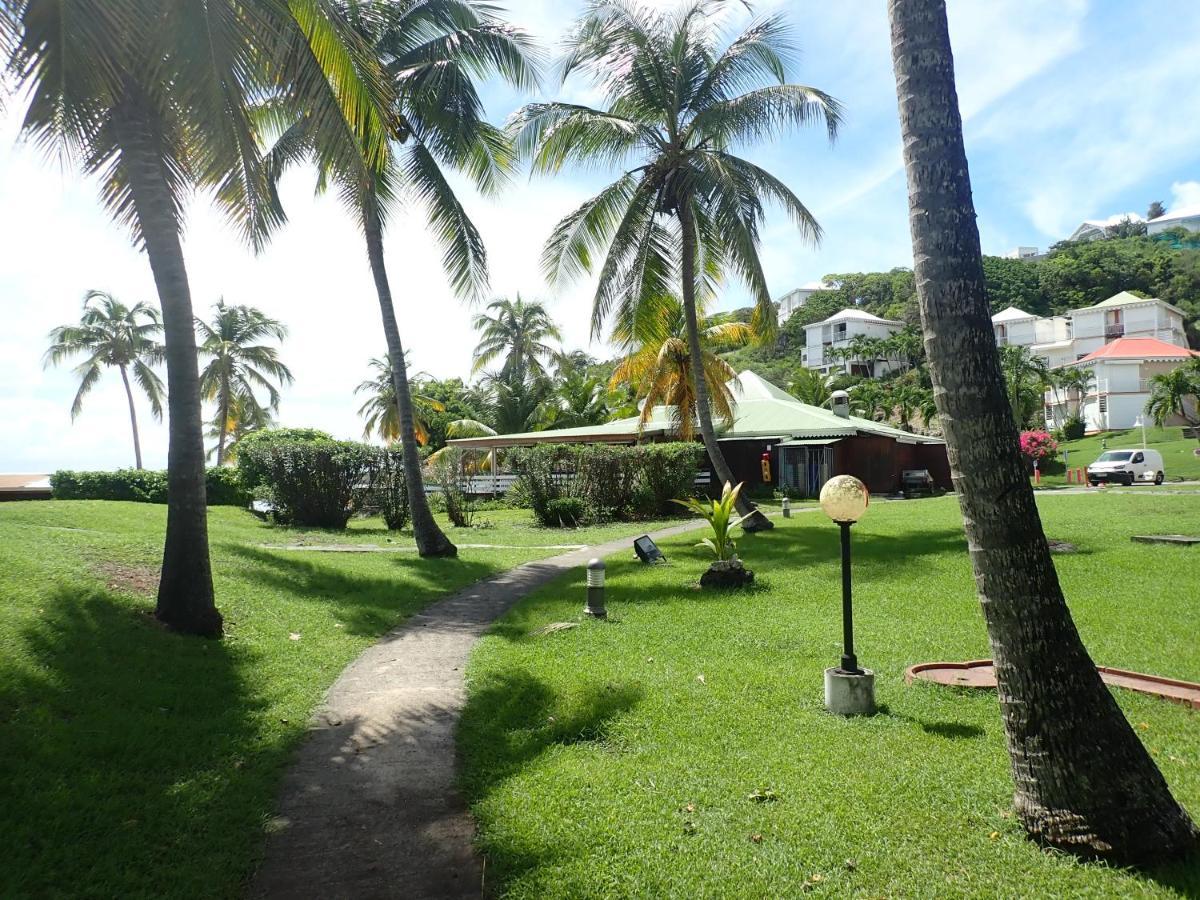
(761, 410)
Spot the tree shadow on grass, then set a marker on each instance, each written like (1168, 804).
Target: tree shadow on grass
(368, 604)
(952, 730)
(133, 761)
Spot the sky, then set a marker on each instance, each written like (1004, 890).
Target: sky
(1073, 110)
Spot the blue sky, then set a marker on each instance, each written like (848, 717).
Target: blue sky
(1074, 110)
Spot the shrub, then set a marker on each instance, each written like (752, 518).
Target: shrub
(1073, 428)
(611, 482)
(250, 467)
(1038, 446)
(224, 488)
(669, 471)
(389, 492)
(564, 512)
(448, 474)
(315, 482)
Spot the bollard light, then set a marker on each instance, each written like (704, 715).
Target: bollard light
(849, 689)
(787, 508)
(595, 590)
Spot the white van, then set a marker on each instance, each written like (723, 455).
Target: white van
(1126, 467)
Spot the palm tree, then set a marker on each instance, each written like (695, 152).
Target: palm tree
(113, 334)
(810, 386)
(578, 399)
(687, 208)
(1079, 380)
(1176, 393)
(380, 411)
(1026, 377)
(516, 332)
(1084, 781)
(154, 98)
(238, 365)
(239, 422)
(659, 364)
(431, 51)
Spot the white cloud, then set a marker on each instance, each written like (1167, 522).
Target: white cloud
(1185, 195)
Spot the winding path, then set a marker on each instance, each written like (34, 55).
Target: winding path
(370, 807)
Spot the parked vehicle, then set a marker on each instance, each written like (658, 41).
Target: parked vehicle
(1126, 467)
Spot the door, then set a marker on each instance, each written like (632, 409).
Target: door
(1138, 464)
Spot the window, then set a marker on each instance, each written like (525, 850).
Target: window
(1103, 403)
(1139, 457)
(1112, 456)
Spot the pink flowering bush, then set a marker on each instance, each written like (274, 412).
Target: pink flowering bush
(1038, 446)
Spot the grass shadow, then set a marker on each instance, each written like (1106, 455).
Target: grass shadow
(120, 744)
(368, 604)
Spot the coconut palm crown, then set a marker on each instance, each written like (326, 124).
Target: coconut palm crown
(113, 335)
(239, 367)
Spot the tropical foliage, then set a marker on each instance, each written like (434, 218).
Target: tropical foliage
(380, 412)
(1176, 393)
(658, 367)
(113, 335)
(517, 334)
(239, 365)
(721, 518)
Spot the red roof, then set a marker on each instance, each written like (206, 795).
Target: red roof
(1140, 348)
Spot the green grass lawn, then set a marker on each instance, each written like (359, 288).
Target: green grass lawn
(137, 763)
(1178, 458)
(682, 748)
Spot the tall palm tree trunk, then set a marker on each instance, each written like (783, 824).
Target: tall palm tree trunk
(137, 444)
(223, 427)
(431, 540)
(756, 521)
(1083, 780)
(185, 591)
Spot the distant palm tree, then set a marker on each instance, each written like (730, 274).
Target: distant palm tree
(578, 399)
(1026, 377)
(238, 365)
(240, 422)
(155, 100)
(810, 386)
(1077, 379)
(432, 51)
(1176, 393)
(380, 411)
(517, 333)
(112, 334)
(659, 363)
(687, 208)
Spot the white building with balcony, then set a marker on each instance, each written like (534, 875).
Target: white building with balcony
(1119, 386)
(826, 344)
(1059, 340)
(794, 299)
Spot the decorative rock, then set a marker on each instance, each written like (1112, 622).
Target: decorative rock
(1062, 546)
(727, 573)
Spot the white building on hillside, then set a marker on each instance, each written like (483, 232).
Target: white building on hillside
(1188, 217)
(824, 340)
(1096, 229)
(796, 298)
(1120, 384)
(1059, 340)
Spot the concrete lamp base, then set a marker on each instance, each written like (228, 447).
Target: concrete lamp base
(847, 694)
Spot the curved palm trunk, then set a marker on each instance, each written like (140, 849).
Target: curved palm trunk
(137, 444)
(185, 591)
(431, 540)
(1083, 780)
(756, 521)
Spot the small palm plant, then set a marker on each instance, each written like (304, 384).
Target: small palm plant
(721, 517)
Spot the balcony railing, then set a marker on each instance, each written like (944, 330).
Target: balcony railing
(1112, 332)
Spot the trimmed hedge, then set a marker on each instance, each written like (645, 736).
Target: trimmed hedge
(223, 485)
(316, 482)
(608, 482)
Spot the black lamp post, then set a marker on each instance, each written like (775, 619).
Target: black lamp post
(849, 689)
